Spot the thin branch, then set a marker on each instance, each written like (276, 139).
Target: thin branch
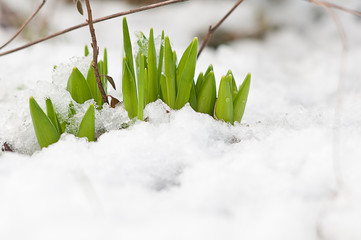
(140, 9)
(95, 52)
(24, 25)
(337, 120)
(331, 5)
(211, 29)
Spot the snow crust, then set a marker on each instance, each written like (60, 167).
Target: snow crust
(290, 170)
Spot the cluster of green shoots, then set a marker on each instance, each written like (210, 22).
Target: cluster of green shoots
(48, 128)
(150, 77)
(174, 83)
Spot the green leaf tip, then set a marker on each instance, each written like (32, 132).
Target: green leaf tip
(207, 94)
(52, 115)
(129, 91)
(87, 125)
(45, 131)
(153, 80)
(78, 87)
(241, 99)
(224, 106)
(185, 74)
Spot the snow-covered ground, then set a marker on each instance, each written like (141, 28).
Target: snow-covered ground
(291, 170)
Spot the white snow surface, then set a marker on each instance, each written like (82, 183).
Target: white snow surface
(290, 170)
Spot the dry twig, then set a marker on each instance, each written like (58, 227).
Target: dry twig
(211, 29)
(95, 51)
(24, 25)
(331, 5)
(115, 15)
(337, 120)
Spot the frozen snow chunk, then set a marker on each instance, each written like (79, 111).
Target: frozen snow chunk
(157, 112)
(62, 72)
(108, 119)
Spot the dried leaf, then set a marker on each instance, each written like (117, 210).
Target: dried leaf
(110, 80)
(79, 6)
(114, 101)
(6, 148)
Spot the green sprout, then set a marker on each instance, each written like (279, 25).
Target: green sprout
(87, 125)
(231, 102)
(78, 87)
(45, 130)
(48, 128)
(206, 92)
(82, 89)
(173, 86)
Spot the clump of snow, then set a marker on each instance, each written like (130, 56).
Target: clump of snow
(62, 72)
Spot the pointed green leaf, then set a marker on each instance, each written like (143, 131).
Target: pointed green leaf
(185, 73)
(105, 60)
(141, 82)
(209, 69)
(78, 87)
(163, 88)
(199, 83)
(146, 88)
(193, 97)
(128, 47)
(202, 77)
(52, 115)
(175, 57)
(161, 57)
(170, 71)
(105, 70)
(233, 86)
(86, 50)
(152, 69)
(129, 91)
(87, 125)
(99, 99)
(93, 86)
(45, 130)
(207, 95)
(224, 106)
(241, 99)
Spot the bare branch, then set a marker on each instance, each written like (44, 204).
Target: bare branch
(140, 9)
(336, 132)
(331, 5)
(95, 52)
(24, 25)
(211, 29)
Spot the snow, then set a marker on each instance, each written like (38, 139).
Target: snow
(290, 170)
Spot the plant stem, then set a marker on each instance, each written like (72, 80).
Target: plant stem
(211, 29)
(331, 5)
(95, 52)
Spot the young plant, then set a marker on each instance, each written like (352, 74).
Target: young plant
(87, 125)
(78, 87)
(83, 89)
(148, 74)
(45, 130)
(231, 102)
(175, 84)
(206, 92)
(48, 127)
